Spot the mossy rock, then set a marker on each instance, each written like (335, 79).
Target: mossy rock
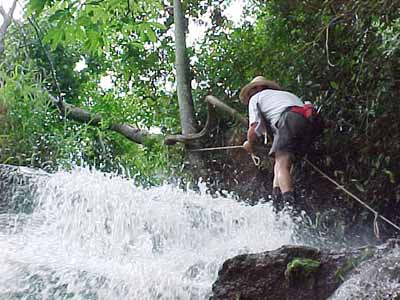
(353, 262)
(301, 269)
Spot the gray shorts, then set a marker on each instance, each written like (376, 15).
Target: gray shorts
(292, 135)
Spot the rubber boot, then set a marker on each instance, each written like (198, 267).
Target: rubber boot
(276, 193)
(277, 201)
(289, 198)
(290, 202)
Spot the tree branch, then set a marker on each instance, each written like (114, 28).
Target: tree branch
(133, 134)
(191, 138)
(12, 9)
(2, 12)
(212, 102)
(226, 108)
(7, 19)
(142, 136)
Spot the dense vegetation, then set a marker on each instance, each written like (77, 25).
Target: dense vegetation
(341, 55)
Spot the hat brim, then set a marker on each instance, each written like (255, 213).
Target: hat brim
(244, 95)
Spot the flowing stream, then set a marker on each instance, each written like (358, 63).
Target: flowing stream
(96, 236)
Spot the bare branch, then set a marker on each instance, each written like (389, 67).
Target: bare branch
(191, 138)
(7, 19)
(82, 116)
(2, 12)
(142, 136)
(212, 102)
(226, 108)
(12, 9)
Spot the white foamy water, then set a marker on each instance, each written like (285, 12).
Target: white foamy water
(96, 236)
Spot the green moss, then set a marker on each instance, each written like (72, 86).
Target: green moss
(301, 268)
(353, 262)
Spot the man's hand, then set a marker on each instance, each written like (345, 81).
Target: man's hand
(248, 147)
(251, 138)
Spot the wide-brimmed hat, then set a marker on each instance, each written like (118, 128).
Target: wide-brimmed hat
(258, 81)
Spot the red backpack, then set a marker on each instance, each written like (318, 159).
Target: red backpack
(309, 112)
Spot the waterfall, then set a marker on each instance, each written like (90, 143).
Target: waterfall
(98, 236)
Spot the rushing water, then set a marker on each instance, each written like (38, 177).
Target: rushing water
(96, 236)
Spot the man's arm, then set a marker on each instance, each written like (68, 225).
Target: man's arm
(251, 138)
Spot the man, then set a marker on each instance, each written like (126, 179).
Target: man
(269, 104)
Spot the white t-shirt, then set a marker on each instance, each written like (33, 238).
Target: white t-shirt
(271, 103)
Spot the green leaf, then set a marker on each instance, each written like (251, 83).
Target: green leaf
(390, 175)
(94, 2)
(83, 20)
(157, 25)
(53, 37)
(150, 34)
(36, 6)
(59, 14)
(360, 187)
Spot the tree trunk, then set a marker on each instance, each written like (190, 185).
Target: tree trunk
(186, 110)
(194, 160)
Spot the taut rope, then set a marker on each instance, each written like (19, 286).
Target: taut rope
(257, 162)
(376, 228)
(216, 148)
(255, 158)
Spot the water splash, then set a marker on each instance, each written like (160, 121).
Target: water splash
(98, 236)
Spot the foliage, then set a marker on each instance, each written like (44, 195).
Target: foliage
(24, 122)
(34, 134)
(341, 55)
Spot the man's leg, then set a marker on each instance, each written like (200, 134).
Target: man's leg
(277, 201)
(283, 163)
(287, 141)
(275, 183)
(276, 190)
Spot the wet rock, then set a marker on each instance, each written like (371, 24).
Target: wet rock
(299, 272)
(290, 272)
(17, 187)
(377, 278)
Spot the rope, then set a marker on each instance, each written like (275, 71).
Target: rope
(257, 162)
(376, 228)
(217, 148)
(255, 158)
